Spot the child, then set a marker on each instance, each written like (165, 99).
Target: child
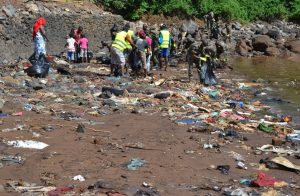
(83, 42)
(71, 48)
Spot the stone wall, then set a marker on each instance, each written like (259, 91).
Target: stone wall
(16, 27)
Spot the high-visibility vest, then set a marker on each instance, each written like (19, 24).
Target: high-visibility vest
(131, 34)
(165, 39)
(119, 42)
(204, 58)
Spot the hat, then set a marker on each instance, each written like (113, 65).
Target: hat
(142, 33)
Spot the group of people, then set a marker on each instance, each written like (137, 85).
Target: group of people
(76, 44)
(136, 50)
(144, 49)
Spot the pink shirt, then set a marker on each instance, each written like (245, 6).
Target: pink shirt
(83, 43)
(149, 41)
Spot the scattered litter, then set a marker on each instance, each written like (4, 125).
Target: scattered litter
(224, 169)
(265, 181)
(23, 187)
(136, 163)
(281, 163)
(12, 160)
(27, 144)
(28, 107)
(79, 178)
(278, 150)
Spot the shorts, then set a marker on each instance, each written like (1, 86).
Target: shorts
(117, 57)
(71, 56)
(164, 52)
(142, 56)
(83, 53)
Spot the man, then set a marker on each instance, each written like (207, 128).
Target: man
(228, 33)
(207, 76)
(128, 49)
(113, 31)
(164, 44)
(146, 29)
(210, 20)
(117, 50)
(194, 53)
(155, 48)
(142, 50)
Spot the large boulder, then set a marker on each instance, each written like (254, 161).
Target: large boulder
(189, 26)
(274, 34)
(293, 46)
(236, 26)
(298, 34)
(243, 47)
(261, 43)
(272, 51)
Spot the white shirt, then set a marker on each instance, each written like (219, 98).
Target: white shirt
(71, 44)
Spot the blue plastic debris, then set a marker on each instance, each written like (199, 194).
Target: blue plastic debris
(136, 163)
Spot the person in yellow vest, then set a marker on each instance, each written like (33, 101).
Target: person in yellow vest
(164, 41)
(128, 49)
(117, 50)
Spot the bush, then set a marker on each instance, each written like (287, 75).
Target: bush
(246, 10)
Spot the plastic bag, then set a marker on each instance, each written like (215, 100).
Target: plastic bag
(207, 75)
(134, 60)
(40, 67)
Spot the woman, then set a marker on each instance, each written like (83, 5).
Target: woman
(39, 37)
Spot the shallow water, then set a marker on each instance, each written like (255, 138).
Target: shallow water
(281, 75)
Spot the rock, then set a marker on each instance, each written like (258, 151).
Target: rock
(293, 46)
(236, 26)
(32, 8)
(162, 95)
(37, 86)
(274, 34)
(298, 34)
(106, 95)
(2, 18)
(242, 48)
(10, 80)
(80, 128)
(79, 79)
(115, 91)
(272, 51)
(261, 43)
(189, 26)
(2, 102)
(9, 10)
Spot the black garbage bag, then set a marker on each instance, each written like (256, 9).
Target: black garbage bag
(90, 56)
(104, 59)
(207, 75)
(40, 67)
(134, 60)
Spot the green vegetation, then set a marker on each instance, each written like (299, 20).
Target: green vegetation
(245, 10)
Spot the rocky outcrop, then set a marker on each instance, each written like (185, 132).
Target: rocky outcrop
(261, 43)
(16, 27)
(293, 46)
(243, 47)
(272, 51)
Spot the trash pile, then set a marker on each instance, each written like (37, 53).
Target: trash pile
(228, 120)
